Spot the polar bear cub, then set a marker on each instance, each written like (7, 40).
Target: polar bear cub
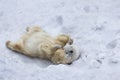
(37, 43)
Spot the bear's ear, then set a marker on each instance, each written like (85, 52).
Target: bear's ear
(70, 42)
(55, 47)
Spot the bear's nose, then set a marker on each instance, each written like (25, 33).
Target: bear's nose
(69, 63)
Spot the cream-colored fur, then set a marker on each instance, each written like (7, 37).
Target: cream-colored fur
(37, 43)
(66, 55)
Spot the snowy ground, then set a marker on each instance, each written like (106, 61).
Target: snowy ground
(94, 25)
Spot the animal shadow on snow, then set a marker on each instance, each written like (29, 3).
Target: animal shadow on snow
(30, 60)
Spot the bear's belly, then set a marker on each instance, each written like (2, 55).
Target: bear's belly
(34, 40)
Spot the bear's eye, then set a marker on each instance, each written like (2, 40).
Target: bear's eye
(71, 51)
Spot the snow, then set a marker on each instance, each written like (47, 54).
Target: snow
(93, 24)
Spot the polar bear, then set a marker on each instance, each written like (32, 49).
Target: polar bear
(37, 43)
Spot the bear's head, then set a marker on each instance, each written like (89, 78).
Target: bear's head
(65, 55)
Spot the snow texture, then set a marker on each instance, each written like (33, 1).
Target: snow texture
(93, 24)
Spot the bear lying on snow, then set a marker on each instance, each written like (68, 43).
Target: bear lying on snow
(37, 43)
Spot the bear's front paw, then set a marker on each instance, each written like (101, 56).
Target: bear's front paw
(57, 46)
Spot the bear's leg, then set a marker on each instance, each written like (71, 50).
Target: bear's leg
(63, 40)
(33, 29)
(18, 46)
